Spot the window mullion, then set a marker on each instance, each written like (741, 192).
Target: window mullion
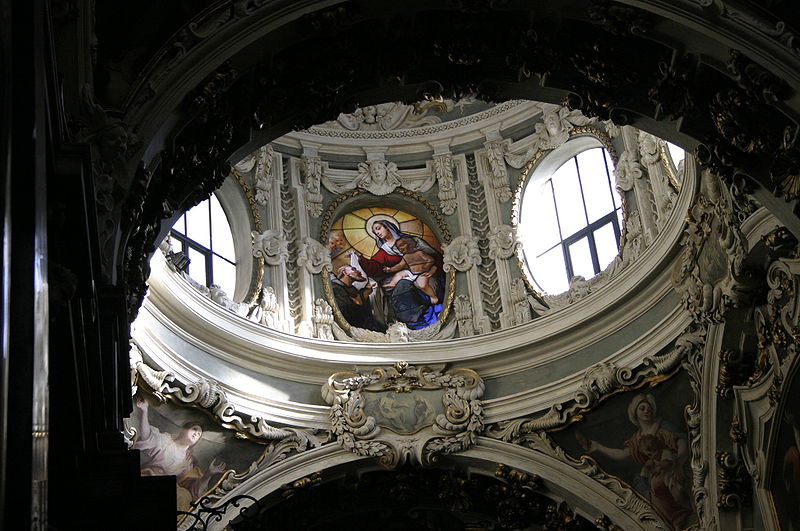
(555, 207)
(580, 186)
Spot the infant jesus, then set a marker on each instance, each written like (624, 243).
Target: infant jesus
(415, 265)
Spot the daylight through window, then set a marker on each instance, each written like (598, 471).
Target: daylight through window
(570, 221)
(204, 236)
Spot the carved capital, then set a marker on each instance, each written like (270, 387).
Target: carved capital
(462, 253)
(271, 246)
(313, 256)
(502, 242)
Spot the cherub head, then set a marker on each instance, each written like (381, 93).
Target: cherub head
(335, 241)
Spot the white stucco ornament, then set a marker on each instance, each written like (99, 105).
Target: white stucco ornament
(314, 256)
(462, 253)
(405, 413)
(271, 246)
(378, 177)
(503, 242)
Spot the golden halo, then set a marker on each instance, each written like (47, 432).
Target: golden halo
(379, 217)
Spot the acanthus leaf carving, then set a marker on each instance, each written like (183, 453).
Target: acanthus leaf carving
(461, 253)
(312, 169)
(627, 170)
(495, 154)
(443, 170)
(266, 311)
(463, 309)
(323, 320)
(264, 176)
(271, 246)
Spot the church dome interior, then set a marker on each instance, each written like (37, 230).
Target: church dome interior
(478, 265)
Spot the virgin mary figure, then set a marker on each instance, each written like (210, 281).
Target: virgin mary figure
(414, 295)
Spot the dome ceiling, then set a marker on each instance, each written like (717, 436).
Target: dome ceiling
(616, 393)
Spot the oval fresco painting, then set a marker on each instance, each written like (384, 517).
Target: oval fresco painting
(387, 268)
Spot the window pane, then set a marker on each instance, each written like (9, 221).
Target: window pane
(538, 227)
(180, 225)
(224, 275)
(568, 199)
(594, 180)
(197, 224)
(581, 258)
(606, 242)
(197, 266)
(220, 231)
(676, 153)
(550, 272)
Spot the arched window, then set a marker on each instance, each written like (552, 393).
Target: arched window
(570, 216)
(203, 234)
(676, 155)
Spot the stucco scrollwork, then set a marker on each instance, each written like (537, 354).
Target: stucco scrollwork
(503, 242)
(462, 253)
(209, 395)
(142, 372)
(314, 256)
(627, 170)
(405, 413)
(692, 363)
(710, 275)
(598, 381)
(271, 246)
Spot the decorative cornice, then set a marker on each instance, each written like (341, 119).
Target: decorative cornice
(411, 133)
